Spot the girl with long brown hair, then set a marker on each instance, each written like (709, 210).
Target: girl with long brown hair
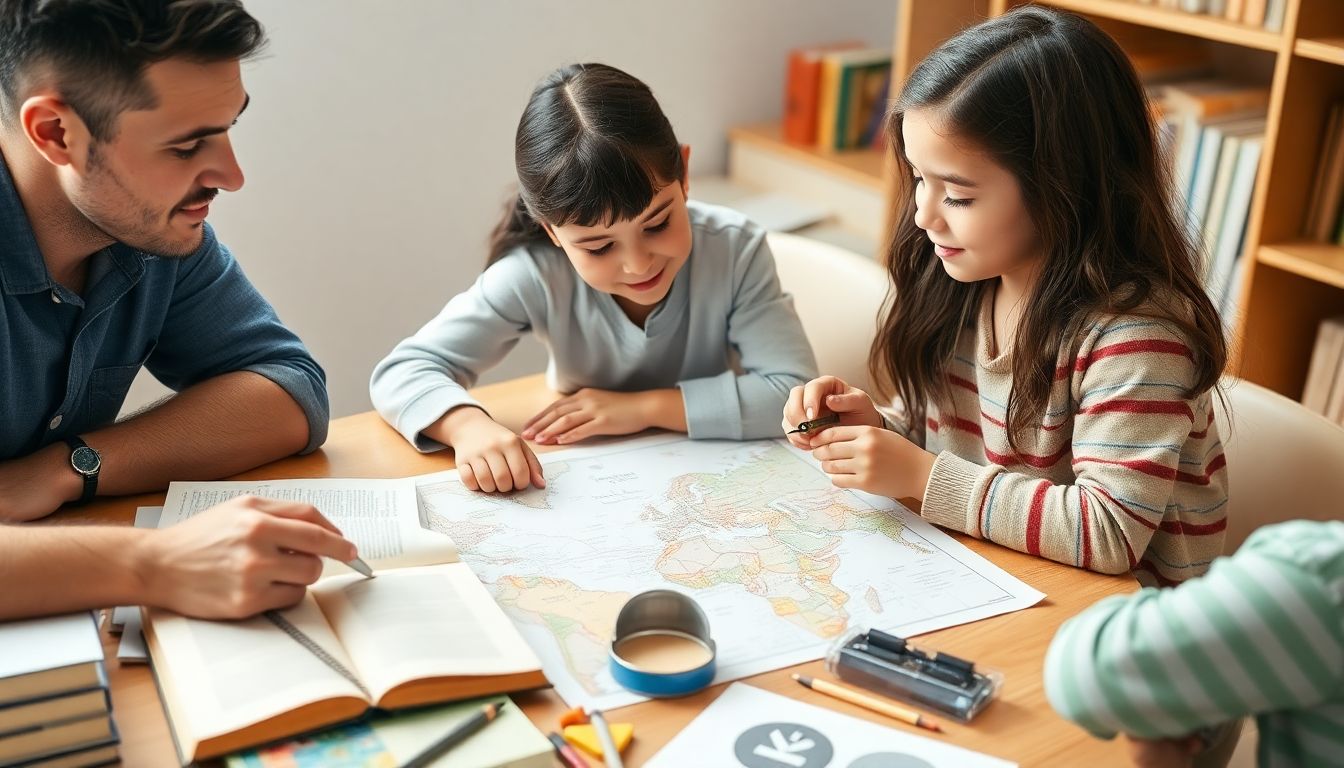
(1047, 335)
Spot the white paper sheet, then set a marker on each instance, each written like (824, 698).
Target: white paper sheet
(749, 727)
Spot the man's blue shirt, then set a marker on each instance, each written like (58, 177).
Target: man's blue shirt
(69, 360)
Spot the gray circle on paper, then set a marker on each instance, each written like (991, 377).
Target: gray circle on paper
(783, 745)
(890, 760)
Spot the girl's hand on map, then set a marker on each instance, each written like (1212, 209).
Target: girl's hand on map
(592, 412)
(873, 459)
(490, 457)
(824, 395)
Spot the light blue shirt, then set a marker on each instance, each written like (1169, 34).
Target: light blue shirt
(726, 335)
(69, 359)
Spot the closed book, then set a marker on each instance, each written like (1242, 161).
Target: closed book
(1330, 146)
(1274, 14)
(1253, 13)
(423, 631)
(837, 75)
(1234, 10)
(71, 706)
(50, 655)
(1325, 209)
(52, 738)
(802, 90)
(1327, 357)
(862, 90)
(1211, 98)
(1232, 234)
(1206, 163)
(508, 741)
(103, 754)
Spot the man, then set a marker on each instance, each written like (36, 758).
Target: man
(114, 121)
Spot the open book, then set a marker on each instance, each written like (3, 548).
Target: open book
(424, 630)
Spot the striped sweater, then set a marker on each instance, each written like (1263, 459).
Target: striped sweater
(1261, 634)
(1125, 473)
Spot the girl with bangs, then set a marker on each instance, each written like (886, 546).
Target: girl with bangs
(1048, 336)
(657, 311)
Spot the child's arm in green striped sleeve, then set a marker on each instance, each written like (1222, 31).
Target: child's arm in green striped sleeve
(1258, 633)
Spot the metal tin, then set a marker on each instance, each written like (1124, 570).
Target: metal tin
(662, 612)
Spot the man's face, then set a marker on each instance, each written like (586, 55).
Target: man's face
(150, 186)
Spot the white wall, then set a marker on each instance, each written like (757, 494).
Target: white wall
(378, 146)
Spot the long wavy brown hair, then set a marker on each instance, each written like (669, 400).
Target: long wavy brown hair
(1054, 100)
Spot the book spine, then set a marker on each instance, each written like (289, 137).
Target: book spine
(828, 103)
(801, 92)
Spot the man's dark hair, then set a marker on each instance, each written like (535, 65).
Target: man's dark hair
(94, 52)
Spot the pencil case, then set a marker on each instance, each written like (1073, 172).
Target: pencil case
(888, 665)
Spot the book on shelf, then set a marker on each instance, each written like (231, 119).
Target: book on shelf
(1324, 388)
(509, 741)
(802, 90)
(1229, 240)
(423, 631)
(1327, 191)
(852, 86)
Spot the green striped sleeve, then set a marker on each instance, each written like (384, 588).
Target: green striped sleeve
(1257, 634)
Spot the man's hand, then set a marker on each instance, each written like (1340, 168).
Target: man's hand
(592, 412)
(490, 457)
(38, 484)
(239, 558)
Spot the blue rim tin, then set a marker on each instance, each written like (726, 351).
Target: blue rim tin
(662, 612)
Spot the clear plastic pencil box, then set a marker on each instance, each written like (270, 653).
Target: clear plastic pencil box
(887, 664)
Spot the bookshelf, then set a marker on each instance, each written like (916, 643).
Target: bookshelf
(1289, 283)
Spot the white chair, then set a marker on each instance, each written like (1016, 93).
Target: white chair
(838, 295)
(1284, 461)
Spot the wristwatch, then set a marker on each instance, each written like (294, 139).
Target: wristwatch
(87, 462)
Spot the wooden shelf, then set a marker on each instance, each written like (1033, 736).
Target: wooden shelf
(1192, 24)
(1322, 262)
(1327, 49)
(864, 166)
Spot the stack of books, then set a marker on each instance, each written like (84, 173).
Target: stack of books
(54, 706)
(1214, 131)
(835, 96)
(1324, 391)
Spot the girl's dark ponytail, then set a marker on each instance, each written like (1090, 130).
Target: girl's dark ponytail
(516, 227)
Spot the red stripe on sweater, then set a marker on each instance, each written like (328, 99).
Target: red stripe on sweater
(965, 425)
(963, 383)
(1031, 460)
(1162, 581)
(1001, 425)
(1141, 406)
(1159, 471)
(1129, 551)
(1135, 346)
(1205, 432)
(1087, 536)
(1034, 518)
(932, 424)
(1194, 529)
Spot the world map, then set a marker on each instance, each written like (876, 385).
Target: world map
(781, 561)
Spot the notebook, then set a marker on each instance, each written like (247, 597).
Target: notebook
(510, 741)
(423, 631)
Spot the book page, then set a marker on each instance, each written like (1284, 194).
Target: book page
(416, 623)
(227, 675)
(380, 516)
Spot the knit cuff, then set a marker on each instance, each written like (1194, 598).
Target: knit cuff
(947, 497)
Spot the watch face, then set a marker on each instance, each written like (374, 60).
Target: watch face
(85, 460)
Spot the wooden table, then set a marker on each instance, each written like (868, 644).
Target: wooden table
(1020, 726)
